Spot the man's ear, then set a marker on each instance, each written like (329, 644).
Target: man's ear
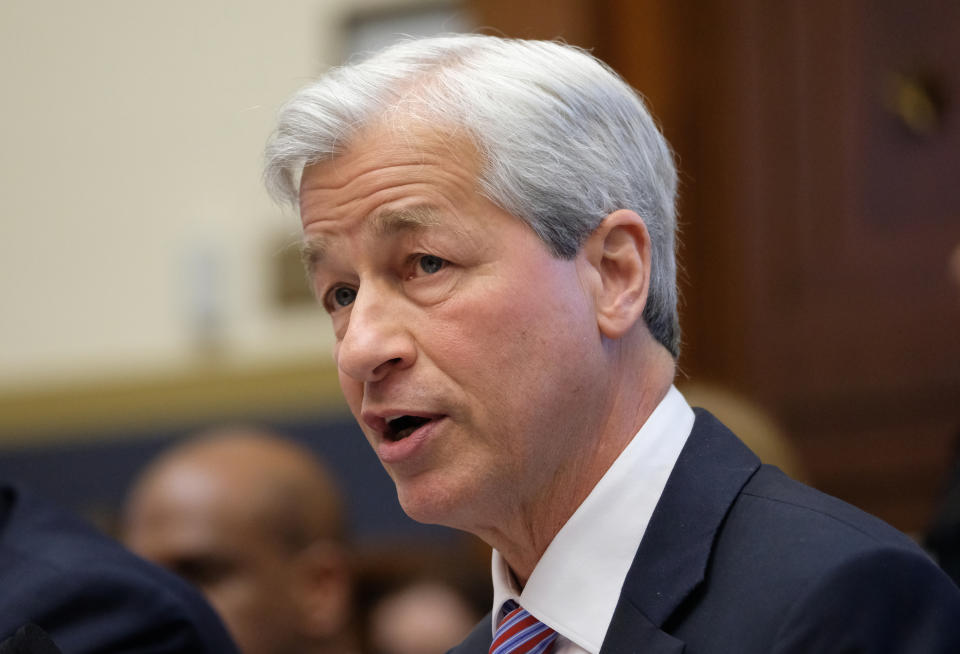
(324, 590)
(619, 252)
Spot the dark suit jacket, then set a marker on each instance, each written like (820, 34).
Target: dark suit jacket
(89, 593)
(740, 559)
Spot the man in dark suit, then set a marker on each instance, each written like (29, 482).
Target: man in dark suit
(490, 225)
(89, 594)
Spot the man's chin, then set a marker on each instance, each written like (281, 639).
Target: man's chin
(431, 503)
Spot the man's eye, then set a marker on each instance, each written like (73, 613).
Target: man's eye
(430, 264)
(342, 296)
(203, 571)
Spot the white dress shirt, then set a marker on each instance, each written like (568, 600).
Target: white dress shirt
(576, 584)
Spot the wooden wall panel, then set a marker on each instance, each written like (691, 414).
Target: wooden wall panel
(818, 144)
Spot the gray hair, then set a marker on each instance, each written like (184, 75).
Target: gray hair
(563, 140)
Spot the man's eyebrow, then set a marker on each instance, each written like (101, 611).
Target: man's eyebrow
(392, 221)
(384, 223)
(312, 252)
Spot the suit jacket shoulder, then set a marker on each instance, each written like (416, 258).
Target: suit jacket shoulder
(772, 565)
(88, 592)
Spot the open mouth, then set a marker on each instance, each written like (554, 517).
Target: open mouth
(401, 427)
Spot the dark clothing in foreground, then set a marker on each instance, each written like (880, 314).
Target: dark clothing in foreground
(29, 639)
(740, 558)
(89, 593)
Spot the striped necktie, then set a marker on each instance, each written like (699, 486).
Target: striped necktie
(521, 633)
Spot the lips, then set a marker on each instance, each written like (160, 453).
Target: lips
(403, 438)
(399, 428)
(394, 426)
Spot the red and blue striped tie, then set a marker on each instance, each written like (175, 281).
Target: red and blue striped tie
(521, 633)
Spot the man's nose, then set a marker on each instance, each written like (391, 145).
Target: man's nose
(376, 339)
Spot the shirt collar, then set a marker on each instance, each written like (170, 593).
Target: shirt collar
(575, 586)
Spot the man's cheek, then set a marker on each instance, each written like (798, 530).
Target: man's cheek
(353, 395)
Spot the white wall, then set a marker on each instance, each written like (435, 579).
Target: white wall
(131, 135)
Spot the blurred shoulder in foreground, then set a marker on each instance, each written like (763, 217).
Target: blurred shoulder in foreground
(89, 593)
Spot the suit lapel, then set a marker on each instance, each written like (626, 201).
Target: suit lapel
(631, 632)
(673, 555)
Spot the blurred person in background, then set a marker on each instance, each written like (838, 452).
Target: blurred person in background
(421, 597)
(424, 617)
(255, 521)
(490, 225)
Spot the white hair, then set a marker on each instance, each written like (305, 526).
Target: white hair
(563, 140)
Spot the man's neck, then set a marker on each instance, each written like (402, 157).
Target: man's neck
(524, 536)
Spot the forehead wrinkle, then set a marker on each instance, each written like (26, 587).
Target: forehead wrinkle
(338, 174)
